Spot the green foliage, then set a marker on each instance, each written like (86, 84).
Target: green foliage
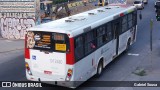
(59, 1)
(140, 72)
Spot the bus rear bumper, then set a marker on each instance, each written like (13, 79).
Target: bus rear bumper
(69, 84)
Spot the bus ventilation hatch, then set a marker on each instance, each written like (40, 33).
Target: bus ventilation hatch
(100, 10)
(91, 14)
(73, 19)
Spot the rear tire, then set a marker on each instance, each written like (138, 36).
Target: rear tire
(99, 69)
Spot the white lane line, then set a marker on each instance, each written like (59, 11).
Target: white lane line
(8, 41)
(133, 54)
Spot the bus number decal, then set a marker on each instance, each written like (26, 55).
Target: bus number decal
(56, 61)
(60, 47)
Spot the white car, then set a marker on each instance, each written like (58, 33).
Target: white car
(139, 4)
(145, 1)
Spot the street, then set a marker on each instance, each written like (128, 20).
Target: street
(12, 65)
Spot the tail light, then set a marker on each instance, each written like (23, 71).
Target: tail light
(27, 53)
(28, 69)
(69, 74)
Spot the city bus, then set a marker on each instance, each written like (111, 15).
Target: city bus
(69, 51)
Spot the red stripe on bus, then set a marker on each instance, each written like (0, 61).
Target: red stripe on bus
(70, 55)
(27, 53)
(26, 50)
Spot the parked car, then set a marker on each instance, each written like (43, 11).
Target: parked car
(145, 1)
(139, 4)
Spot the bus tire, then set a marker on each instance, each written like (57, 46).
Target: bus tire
(128, 44)
(99, 69)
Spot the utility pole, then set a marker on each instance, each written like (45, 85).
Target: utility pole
(151, 29)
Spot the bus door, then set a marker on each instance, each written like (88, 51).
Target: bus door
(116, 29)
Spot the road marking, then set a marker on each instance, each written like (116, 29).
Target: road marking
(8, 41)
(133, 54)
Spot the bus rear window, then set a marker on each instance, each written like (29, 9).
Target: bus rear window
(48, 41)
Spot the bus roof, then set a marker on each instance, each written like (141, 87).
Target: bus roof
(75, 24)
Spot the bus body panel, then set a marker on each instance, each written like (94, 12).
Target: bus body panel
(123, 40)
(86, 67)
(53, 82)
(106, 52)
(134, 34)
(50, 65)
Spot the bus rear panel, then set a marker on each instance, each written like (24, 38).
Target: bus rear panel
(46, 55)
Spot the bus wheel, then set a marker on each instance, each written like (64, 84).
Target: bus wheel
(99, 69)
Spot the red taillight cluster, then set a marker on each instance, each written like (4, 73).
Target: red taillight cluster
(69, 74)
(28, 69)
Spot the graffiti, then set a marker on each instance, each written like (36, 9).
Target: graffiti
(16, 16)
(15, 28)
(17, 6)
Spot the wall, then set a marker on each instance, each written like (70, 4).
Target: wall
(130, 2)
(16, 16)
(117, 1)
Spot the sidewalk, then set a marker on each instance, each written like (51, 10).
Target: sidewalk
(10, 45)
(149, 68)
(150, 64)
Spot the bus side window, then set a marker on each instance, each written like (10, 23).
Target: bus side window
(89, 42)
(109, 32)
(124, 24)
(130, 21)
(79, 50)
(114, 31)
(101, 37)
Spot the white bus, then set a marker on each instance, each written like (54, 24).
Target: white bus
(78, 47)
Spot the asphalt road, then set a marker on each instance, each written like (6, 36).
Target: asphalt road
(12, 63)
